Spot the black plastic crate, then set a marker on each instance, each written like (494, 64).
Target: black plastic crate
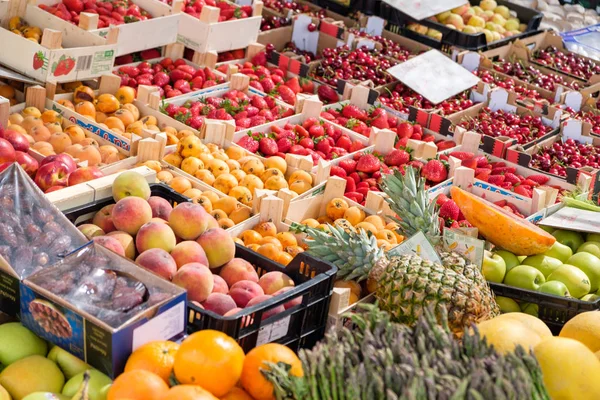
(368, 7)
(555, 311)
(156, 189)
(298, 327)
(453, 38)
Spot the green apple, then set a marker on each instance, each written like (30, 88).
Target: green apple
(559, 251)
(590, 265)
(569, 238)
(525, 277)
(97, 382)
(575, 279)
(103, 394)
(510, 259)
(530, 308)
(546, 265)
(556, 288)
(17, 342)
(46, 396)
(592, 237)
(548, 229)
(68, 363)
(590, 297)
(130, 183)
(493, 267)
(590, 247)
(507, 304)
(521, 258)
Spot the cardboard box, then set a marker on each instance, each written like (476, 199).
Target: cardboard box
(101, 307)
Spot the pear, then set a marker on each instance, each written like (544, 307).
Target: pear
(68, 363)
(32, 374)
(17, 342)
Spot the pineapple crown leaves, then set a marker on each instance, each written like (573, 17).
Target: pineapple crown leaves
(408, 198)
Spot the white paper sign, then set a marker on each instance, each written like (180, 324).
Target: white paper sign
(276, 330)
(302, 37)
(417, 245)
(574, 219)
(434, 76)
(162, 327)
(421, 9)
(375, 26)
(244, 2)
(469, 247)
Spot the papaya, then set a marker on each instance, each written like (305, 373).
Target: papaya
(503, 229)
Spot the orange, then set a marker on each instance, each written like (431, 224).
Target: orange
(269, 250)
(125, 94)
(107, 103)
(284, 258)
(188, 392)
(138, 385)
(125, 116)
(253, 381)
(237, 394)
(114, 123)
(157, 357)
(210, 359)
(85, 108)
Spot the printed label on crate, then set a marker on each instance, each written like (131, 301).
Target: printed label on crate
(471, 248)
(161, 327)
(101, 61)
(486, 186)
(574, 218)
(374, 26)
(417, 245)
(9, 294)
(434, 76)
(421, 9)
(187, 42)
(276, 330)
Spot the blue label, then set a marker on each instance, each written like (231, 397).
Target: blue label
(106, 135)
(496, 189)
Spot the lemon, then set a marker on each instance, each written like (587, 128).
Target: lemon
(584, 328)
(531, 322)
(505, 334)
(570, 369)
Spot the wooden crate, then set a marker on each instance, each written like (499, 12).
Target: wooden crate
(158, 31)
(65, 54)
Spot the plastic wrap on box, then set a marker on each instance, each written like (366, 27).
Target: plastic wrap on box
(584, 41)
(103, 285)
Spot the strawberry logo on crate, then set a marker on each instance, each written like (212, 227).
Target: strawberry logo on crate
(39, 61)
(64, 66)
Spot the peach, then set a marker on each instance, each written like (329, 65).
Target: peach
(126, 241)
(158, 261)
(293, 302)
(188, 251)
(103, 219)
(90, 154)
(130, 214)
(60, 141)
(238, 270)
(161, 208)
(268, 313)
(188, 220)
(219, 303)
(91, 230)
(271, 282)
(77, 134)
(106, 151)
(40, 134)
(73, 149)
(220, 285)
(110, 243)
(218, 246)
(155, 235)
(233, 311)
(244, 291)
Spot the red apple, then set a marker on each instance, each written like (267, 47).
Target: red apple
(53, 189)
(5, 165)
(52, 174)
(84, 174)
(18, 141)
(7, 152)
(65, 158)
(29, 164)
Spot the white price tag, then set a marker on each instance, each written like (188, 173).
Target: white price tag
(276, 330)
(302, 37)
(417, 245)
(469, 247)
(375, 26)
(162, 327)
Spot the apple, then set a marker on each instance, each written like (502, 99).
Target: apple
(68, 363)
(590, 247)
(27, 162)
(442, 16)
(530, 308)
(559, 251)
(53, 189)
(546, 265)
(507, 305)
(45, 396)
(7, 152)
(55, 173)
(548, 229)
(84, 174)
(476, 21)
(5, 165)
(503, 10)
(569, 238)
(130, 183)
(488, 5)
(590, 297)
(592, 237)
(510, 259)
(525, 277)
(18, 342)
(512, 24)
(18, 141)
(493, 267)
(64, 158)
(97, 382)
(556, 288)
(590, 265)
(575, 279)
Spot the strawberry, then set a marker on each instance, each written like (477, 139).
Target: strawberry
(449, 211)
(363, 191)
(356, 146)
(344, 142)
(496, 179)
(354, 175)
(434, 171)
(248, 143)
(479, 171)
(484, 175)
(294, 85)
(503, 170)
(380, 122)
(267, 146)
(511, 178)
(284, 145)
(428, 137)
(539, 179)
(287, 95)
(350, 184)
(416, 164)
(469, 163)
(454, 225)
(256, 85)
(524, 190)
(355, 196)
(500, 203)
(397, 158)
(327, 94)
(307, 143)
(446, 144)
(352, 111)
(405, 129)
(441, 199)
(307, 86)
(368, 163)
(338, 171)
(482, 161)
(462, 155)
(348, 165)
(260, 58)
(529, 182)
(324, 146)
(267, 84)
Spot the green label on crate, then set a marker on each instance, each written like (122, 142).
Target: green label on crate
(9, 294)
(102, 62)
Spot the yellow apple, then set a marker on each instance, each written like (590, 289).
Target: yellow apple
(487, 15)
(488, 4)
(451, 26)
(460, 10)
(456, 20)
(502, 10)
(442, 16)
(437, 35)
(522, 27)
(489, 37)
(512, 24)
(497, 36)
(469, 29)
(477, 10)
(476, 21)
(498, 19)
(468, 14)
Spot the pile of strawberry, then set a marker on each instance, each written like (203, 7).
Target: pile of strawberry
(143, 55)
(110, 12)
(313, 138)
(449, 214)
(247, 111)
(271, 79)
(401, 97)
(173, 78)
(229, 11)
(501, 175)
